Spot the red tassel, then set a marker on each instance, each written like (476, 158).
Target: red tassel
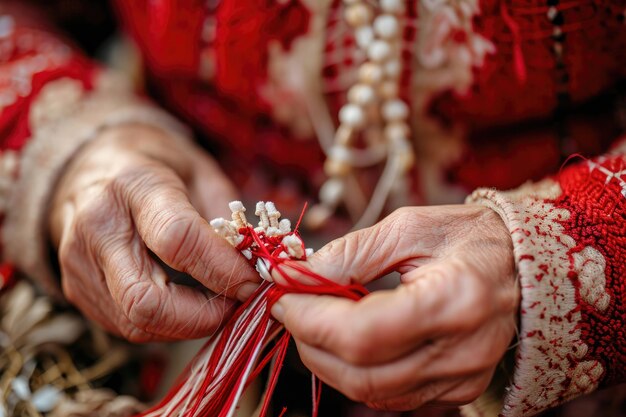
(214, 381)
(518, 56)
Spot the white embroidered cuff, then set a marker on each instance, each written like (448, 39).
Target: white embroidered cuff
(549, 368)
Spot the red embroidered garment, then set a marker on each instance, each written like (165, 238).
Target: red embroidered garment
(501, 93)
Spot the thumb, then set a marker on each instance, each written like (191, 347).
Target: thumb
(367, 254)
(172, 228)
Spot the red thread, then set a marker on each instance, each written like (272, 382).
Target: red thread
(592, 194)
(518, 56)
(212, 384)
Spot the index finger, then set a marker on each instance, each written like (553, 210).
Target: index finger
(172, 228)
(385, 324)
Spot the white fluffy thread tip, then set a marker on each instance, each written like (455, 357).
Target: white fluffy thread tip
(236, 206)
(238, 215)
(270, 224)
(227, 230)
(294, 246)
(285, 226)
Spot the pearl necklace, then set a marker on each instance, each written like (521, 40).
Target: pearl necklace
(373, 106)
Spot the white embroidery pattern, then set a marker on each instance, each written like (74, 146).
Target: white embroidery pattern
(40, 52)
(610, 175)
(550, 367)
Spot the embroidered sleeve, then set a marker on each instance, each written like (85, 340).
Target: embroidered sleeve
(52, 100)
(569, 235)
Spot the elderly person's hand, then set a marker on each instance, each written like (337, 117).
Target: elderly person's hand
(133, 193)
(438, 337)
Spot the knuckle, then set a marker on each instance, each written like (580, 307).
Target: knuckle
(470, 390)
(470, 394)
(412, 400)
(471, 318)
(398, 222)
(321, 333)
(401, 214)
(129, 179)
(135, 335)
(170, 234)
(474, 304)
(69, 290)
(337, 249)
(478, 363)
(405, 223)
(397, 404)
(355, 345)
(484, 357)
(68, 248)
(70, 271)
(178, 239)
(475, 358)
(140, 305)
(97, 225)
(361, 387)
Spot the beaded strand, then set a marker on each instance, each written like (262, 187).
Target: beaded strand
(373, 105)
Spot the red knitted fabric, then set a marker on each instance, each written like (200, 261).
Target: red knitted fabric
(596, 199)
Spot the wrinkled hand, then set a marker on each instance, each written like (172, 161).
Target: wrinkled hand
(438, 337)
(134, 190)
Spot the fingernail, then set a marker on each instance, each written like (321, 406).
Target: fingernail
(246, 290)
(278, 312)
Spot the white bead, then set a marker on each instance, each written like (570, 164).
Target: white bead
(392, 6)
(339, 153)
(397, 131)
(332, 191)
(370, 73)
(392, 68)
(379, 51)
(317, 215)
(343, 136)
(558, 48)
(401, 147)
(361, 94)
(406, 160)
(386, 26)
(433, 5)
(335, 168)
(388, 89)
(358, 15)
(352, 115)
(395, 110)
(364, 36)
